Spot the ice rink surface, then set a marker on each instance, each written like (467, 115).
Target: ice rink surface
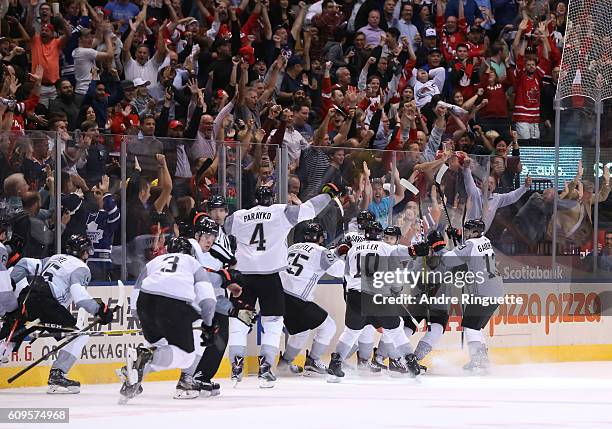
(557, 395)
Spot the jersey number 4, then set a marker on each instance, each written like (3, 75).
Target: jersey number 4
(258, 237)
(295, 264)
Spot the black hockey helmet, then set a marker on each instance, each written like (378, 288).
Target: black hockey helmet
(205, 225)
(394, 231)
(76, 244)
(473, 228)
(313, 232)
(373, 231)
(264, 196)
(216, 202)
(434, 236)
(364, 217)
(179, 245)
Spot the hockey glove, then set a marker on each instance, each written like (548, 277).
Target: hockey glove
(229, 276)
(245, 316)
(454, 234)
(208, 334)
(331, 189)
(418, 249)
(105, 313)
(343, 246)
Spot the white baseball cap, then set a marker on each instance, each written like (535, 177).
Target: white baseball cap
(141, 82)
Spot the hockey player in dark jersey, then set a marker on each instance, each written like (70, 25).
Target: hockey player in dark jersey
(436, 316)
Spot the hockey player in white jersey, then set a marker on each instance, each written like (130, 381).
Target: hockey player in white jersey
(166, 287)
(208, 234)
(365, 344)
(478, 254)
(362, 260)
(61, 281)
(307, 262)
(261, 237)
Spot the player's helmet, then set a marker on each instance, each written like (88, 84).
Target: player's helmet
(264, 196)
(473, 228)
(373, 231)
(216, 202)
(313, 233)
(435, 240)
(204, 225)
(77, 244)
(393, 231)
(179, 245)
(364, 217)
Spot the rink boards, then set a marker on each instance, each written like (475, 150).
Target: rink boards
(558, 322)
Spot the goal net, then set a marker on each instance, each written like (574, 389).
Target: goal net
(586, 64)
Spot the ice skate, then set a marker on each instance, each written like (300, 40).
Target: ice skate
(265, 374)
(397, 368)
(206, 388)
(137, 359)
(288, 369)
(378, 360)
(479, 363)
(58, 383)
(365, 367)
(314, 367)
(413, 365)
(237, 368)
(186, 388)
(335, 369)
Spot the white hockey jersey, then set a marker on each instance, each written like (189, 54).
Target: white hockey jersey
(367, 257)
(175, 275)
(261, 233)
(8, 299)
(67, 277)
(307, 262)
(479, 256)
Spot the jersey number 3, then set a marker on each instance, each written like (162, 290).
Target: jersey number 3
(172, 264)
(258, 237)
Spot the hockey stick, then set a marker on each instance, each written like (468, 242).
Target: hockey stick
(415, 191)
(69, 340)
(53, 350)
(438, 181)
(67, 333)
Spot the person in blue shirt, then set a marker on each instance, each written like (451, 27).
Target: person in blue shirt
(381, 204)
(122, 10)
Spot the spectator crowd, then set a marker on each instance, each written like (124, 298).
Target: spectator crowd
(362, 93)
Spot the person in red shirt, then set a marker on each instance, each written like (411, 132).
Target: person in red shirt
(453, 32)
(527, 83)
